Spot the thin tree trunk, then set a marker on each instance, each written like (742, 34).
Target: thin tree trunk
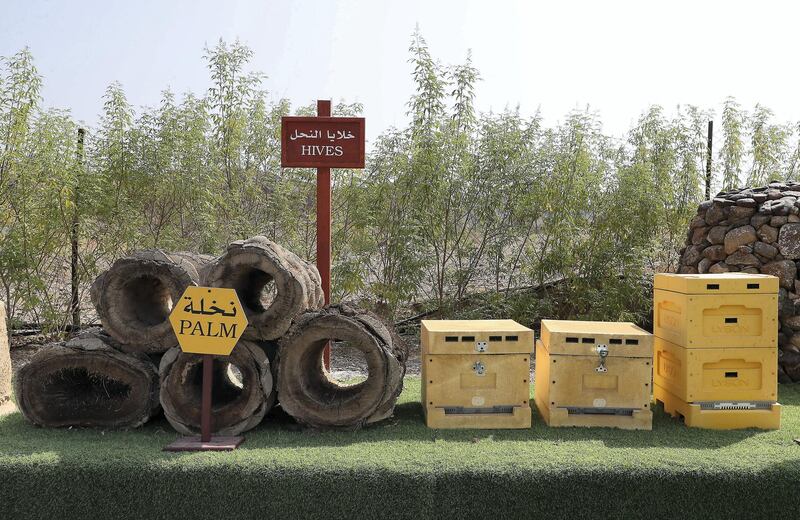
(708, 159)
(75, 304)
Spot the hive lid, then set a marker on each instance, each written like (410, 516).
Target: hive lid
(464, 336)
(581, 338)
(722, 283)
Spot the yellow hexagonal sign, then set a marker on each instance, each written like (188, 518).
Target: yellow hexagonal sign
(208, 320)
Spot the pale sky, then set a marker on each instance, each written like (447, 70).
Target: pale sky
(618, 57)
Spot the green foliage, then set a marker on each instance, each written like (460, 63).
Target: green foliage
(37, 177)
(559, 221)
(732, 151)
(768, 146)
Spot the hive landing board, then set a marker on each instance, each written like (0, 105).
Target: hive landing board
(322, 142)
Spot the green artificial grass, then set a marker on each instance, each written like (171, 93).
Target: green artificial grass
(401, 469)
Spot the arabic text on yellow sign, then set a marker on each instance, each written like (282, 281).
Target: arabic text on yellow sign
(208, 320)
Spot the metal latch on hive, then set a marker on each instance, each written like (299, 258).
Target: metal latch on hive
(602, 351)
(479, 368)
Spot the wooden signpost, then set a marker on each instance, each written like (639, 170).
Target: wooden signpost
(323, 142)
(207, 321)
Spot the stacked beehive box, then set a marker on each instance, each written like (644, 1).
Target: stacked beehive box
(475, 373)
(715, 349)
(591, 373)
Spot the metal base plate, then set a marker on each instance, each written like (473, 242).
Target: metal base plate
(215, 444)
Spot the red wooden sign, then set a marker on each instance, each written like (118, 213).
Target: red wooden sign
(322, 142)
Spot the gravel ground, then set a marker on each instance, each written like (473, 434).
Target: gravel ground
(348, 362)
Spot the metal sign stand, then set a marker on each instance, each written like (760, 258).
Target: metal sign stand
(198, 310)
(324, 227)
(323, 142)
(206, 442)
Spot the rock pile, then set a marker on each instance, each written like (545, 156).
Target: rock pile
(754, 230)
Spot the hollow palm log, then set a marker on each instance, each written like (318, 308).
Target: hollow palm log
(306, 390)
(135, 296)
(87, 382)
(242, 391)
(274, 285)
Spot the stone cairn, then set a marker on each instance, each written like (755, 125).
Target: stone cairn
(754, 230)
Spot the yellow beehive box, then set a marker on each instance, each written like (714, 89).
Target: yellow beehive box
(716, 374)
(476, 373)
(721, 415)
(716, 310)
(591, 373)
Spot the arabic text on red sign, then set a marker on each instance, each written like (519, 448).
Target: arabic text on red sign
(322, 142)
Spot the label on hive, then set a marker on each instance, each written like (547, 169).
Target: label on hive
(732, 320)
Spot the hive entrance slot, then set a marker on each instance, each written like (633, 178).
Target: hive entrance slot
(572, 340)
(731, 320)
(731, 374)
(615, 341)
(575, 410)
(753, 286)
(489, 410)
(712, 286)
(495, 338)
(450, 339)
(511, 338)
(587, 340)
(467, 338)
(631, 341)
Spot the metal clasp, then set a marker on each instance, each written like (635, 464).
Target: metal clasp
(479, 368)
(602, 351)
(481, 346)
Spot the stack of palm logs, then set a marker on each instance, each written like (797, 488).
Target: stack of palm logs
(124, 374)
